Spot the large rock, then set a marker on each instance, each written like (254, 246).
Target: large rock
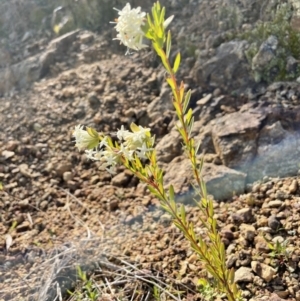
(228, 69)
(256, 143)
(221, 182)
(235, 135)
(160, 104)
(169, 147)
(277, 155)
(263, 63)
(21, 75)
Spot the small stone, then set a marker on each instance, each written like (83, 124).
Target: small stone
(121, 179)
(165, 219)
(282, 294)
(11, 145)
(61, 168)
(79, 112)
(97, 118)
(25, 226)
(130, 113)
(24, 170)
(68, 92)
(24, 203)
(72, 185)
(203, 101)
(7, 154)
(243, 274)
(37, 127)
(281, 195)
(261, 244)
(275, 297)
(217, 92)
(247, 231)
(278, 239)
(94, 179)
(44, 205)
(231, 261)
(274, 223)
(67, 176)
(275, 204)
(86, 38)
(262, 221)
(93, 101)
(263, 270)
(227, 234)
(293, 187)
(243, 215)
(113, 205)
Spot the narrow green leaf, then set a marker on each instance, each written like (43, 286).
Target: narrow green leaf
(197, 148)
(152, 190)
(149, 21)
(171, 192)
(189, 116)
(168, 45)
(173, 205)
(158, 7)
(186, 100)
(181, 92)
(182, 213)
(203, 188)
(162, 16)
(176, 63)
(155, 15)
(179, 226)
(191, 126)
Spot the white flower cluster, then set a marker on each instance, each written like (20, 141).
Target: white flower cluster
(82, 137)
(138, 142)
(129, 26)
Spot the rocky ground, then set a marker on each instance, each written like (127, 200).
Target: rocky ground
(58, 210)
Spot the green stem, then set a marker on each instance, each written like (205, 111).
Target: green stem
(192, 156)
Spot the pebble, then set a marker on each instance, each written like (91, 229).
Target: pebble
(44, 205)
(7, 154)
(243, 215)
(61, 168)
(93, 100)
(121, 179)
(293, 187)
(274, 223)
(247, 231)
(262, 270)
(261, 244)
(67, 176)
(113, 205)
(274, 204)
(243, 274)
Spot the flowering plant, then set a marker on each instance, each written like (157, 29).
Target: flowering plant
(136, 145)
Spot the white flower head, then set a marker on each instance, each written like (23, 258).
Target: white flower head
(135, 139)
(83, 138)
(142, 151)
(129, 27)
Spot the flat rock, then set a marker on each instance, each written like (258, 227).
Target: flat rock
(277, 153)
(234, 137)
(221, 182)
(230, 58)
